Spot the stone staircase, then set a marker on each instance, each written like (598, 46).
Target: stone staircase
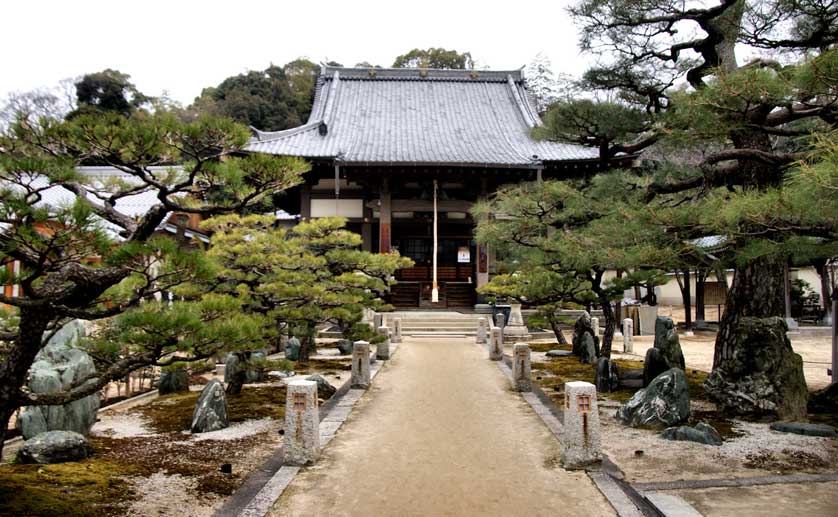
(435, 323)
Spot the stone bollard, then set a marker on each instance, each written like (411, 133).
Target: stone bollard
(496, 344)
(628, 336)
(397, 331)
(302, 423)
(521, 373)
(360, 365)
(580, 438)
(382, 349)
(377, 320)
(515, 329)
(595, 326)
(482, 327)
(500, 320)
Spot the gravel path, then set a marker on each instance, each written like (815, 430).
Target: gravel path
(441, 433)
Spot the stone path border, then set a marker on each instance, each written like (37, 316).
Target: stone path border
(626, 501)
(265, 485)
(787, 479)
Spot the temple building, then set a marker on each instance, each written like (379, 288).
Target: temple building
(404, 153)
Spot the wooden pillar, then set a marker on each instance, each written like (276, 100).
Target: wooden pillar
(483, 249)
(366, 229)
(305, 202)
(385, 218)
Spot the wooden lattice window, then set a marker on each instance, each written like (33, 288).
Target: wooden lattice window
(583, 403)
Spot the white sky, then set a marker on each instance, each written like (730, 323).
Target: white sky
(184, 46)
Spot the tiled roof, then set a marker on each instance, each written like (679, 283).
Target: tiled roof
(420, 116)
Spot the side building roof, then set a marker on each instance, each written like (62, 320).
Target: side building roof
(420, 117)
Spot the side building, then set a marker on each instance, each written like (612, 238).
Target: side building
(403, 154)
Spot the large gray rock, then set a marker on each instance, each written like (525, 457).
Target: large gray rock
(607, 375)
(653, 365)
(292, 349)
(344, 346)
(804, 428)
(587, 349)
(558, 353)
(581, 328)
(211, 409)
(762, 376)
(324, 389)
(666, 340)
(54, 447)
(173, 381)
(701, 433)
(57, 367)
(664, 403)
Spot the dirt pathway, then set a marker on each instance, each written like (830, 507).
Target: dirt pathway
(440, 433)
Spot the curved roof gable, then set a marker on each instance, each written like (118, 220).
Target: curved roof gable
(419, 116)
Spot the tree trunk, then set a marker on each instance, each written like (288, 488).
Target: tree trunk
(826, 291)
(554, 324)
(687, 295)
(608, 314)
(15, 368)
(307, 344)
(700, 277)
(757, 291)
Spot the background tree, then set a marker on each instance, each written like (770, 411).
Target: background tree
(272, 99)
(434, 58)
(300, 277)
(87, 260)
(107, 91)
(541, 82)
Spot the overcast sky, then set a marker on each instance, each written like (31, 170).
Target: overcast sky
(183, 46)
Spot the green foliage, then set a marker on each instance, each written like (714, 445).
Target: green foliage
(299, 277)
(434, 58)
(591, 123)
(107, 91)
(272, 99)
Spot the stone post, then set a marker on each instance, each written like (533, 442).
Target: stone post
(482, 326)
(628, 336)
(595, 326)
(397, 331)
(302, 423)
(500, 320)
(496, 344)
(360, 365)
(515, 330)
(382, 349)
(580, 438)
(521, 373)
(377, 320)
(368, 316)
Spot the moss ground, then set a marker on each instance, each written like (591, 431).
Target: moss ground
(97, 486)
(91, 487)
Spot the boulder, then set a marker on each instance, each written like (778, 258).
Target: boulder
(653, 365)
(324, 389)
(587, 349)
(211, 409)
(57, 367)
(701, 433)
(559, 353)
(345, 346)
(666, 340)
(804, 428)
(292, 349)
(664, 403)
(607, 375)
(583, 326)
(173, 381)
(54, 447)
(762, 377)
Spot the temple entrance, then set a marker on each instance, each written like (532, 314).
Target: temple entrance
(455, 265)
